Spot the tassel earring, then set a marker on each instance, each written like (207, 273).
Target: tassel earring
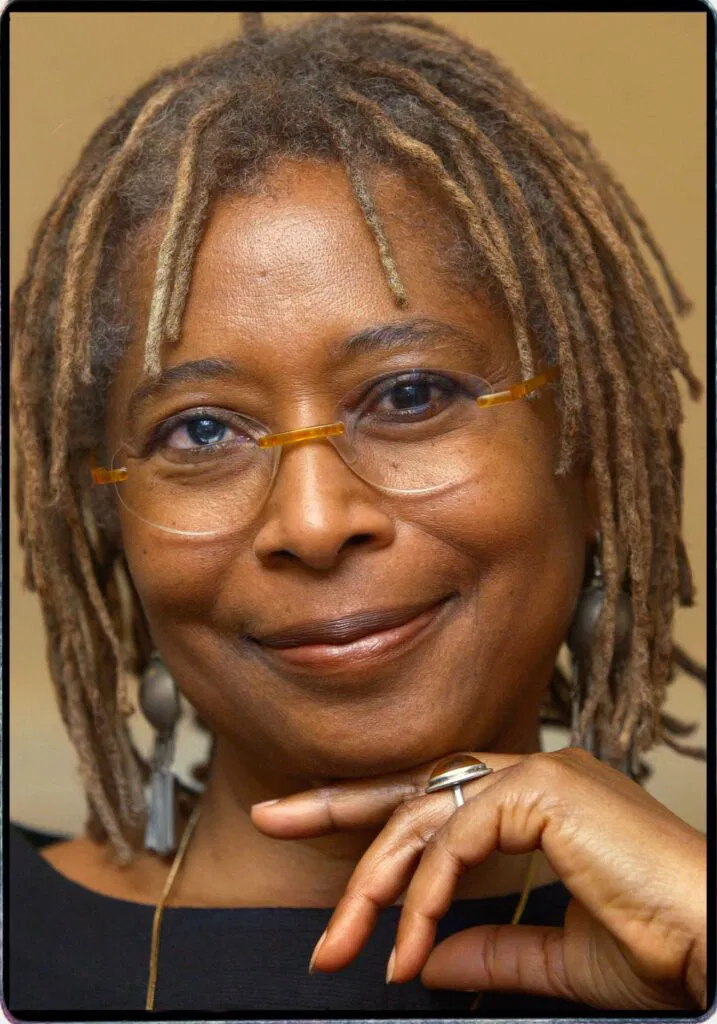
(580, 640)
(159, 700)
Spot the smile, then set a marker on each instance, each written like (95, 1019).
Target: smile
(367, 636)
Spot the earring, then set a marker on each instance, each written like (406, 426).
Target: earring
(580, 640)
(159, 700)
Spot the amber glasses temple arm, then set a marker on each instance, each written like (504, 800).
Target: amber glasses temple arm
(102, 475)
(516, 391)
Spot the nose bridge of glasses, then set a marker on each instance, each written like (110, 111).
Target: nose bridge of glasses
(336, 433)
(288, 437)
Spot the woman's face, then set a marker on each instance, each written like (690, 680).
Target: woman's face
(282, 279)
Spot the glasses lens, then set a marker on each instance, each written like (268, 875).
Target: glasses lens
(417, 431)
(201, 492)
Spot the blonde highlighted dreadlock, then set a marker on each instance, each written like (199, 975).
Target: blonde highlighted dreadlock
(537, 209)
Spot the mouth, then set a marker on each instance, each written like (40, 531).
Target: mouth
(364, 636)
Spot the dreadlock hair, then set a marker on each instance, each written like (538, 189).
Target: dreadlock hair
(539, 215)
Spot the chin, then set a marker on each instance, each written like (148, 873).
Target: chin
(368, 753)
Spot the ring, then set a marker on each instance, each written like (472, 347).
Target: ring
(452, 771)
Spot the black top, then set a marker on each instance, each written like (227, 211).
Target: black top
(70, 949)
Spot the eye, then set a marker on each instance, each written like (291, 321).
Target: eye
(412, 396)
(199, 432)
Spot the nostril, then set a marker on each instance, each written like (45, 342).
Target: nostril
(358, 538)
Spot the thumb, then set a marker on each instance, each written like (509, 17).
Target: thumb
(518, 958)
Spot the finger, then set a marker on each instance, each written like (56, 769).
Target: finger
(382, 875)
(363, 803)
(343, 806)
(508, 958)
(485, 823)
(378, 880)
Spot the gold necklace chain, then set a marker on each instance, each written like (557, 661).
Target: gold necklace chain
(177, 864)
(159, 909)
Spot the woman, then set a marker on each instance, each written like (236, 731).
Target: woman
(365, 227)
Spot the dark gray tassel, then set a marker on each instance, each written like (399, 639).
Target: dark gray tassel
(159, 700)
(160, 833)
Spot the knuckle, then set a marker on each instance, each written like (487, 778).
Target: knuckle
(578, 763)
(490, 953)
(404, 813)
(407, 820)
(441, 842)
(357, 894)
(576, 754)
(545, 768)
(330, 798)
(556, 969)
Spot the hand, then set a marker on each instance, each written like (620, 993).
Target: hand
(634, 934)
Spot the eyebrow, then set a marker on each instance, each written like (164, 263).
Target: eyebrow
(195, 372)
(390, 337)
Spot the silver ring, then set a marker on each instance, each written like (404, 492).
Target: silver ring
(452, 771)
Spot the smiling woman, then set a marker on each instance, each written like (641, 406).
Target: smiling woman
(363, 403)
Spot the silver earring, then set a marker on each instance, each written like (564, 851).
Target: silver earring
(580, 640)
(159, 700)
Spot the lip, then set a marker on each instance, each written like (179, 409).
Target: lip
(364, 636)
(346, 629)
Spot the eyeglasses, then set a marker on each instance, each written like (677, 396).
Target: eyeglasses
(207, 471)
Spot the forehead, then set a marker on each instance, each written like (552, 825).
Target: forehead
(284, 272)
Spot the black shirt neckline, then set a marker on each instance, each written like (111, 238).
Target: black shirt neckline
(38, 840)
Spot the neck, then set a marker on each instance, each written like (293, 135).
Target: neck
(231, 864)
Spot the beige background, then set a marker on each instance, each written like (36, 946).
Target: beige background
(635, 81)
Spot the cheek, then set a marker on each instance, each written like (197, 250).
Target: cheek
(176, 578)
(521, 531)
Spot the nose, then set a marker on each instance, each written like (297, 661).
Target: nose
(318, 510)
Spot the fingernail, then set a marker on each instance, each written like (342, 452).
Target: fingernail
(266, 803)
(391, 965)
(317, 947)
